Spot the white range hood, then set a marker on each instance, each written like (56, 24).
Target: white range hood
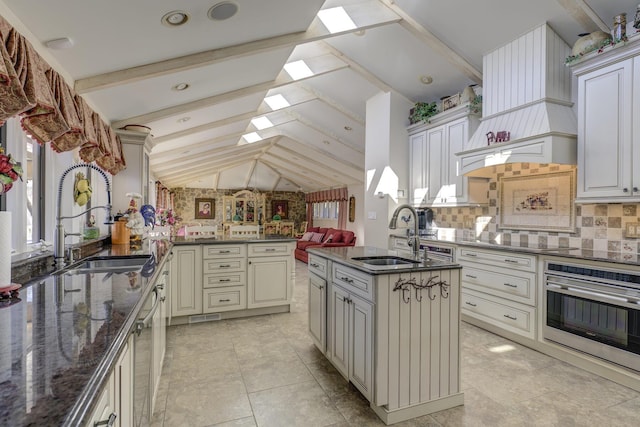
(527, 92)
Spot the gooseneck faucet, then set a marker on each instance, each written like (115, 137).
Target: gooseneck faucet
(58, 251)
(414, 241)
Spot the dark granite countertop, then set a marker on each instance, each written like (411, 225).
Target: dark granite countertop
(181, 240)
(345, 255)
(61, 338)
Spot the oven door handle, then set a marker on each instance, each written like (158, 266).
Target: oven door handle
(141, 324)
(624, 301)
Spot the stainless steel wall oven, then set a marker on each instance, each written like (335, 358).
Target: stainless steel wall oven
(595, 310)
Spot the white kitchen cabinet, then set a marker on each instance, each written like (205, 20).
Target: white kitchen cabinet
(270, 274)
(499, 288)
(435, 174)
(608, 136)
(135, 178)
(318, 311)
(352, 338)
(186, 280)
(224, 269)
(105, 410)
(158, 335)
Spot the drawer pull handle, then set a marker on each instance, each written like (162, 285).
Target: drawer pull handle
(225, 280)
(224, 252)
(108, 422)
(510, 285)
(346, 279)
(314, 265)
(165, 273)
(471, 304)
(470, 276)
(270, 250)
(511, 261)
(224, 300)
(225, 266)
(470, 254)
(508, 316)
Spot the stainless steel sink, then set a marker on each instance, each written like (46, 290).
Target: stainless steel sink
(385, 260)
(108, 264)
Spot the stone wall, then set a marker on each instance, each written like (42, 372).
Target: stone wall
(184, 204)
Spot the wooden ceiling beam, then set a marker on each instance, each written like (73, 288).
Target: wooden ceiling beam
(582, 13)
(205, 127)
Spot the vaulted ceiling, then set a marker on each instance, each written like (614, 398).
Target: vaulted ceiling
(127, 64)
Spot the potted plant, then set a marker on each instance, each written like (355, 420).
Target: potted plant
(421, 111)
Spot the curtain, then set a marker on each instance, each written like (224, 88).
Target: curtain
(340, 195)
(342, 214)
(50, 110)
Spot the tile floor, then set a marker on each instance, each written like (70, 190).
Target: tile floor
(265, 371)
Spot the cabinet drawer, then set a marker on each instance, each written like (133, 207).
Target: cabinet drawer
(227, 279)
(223, 265)
(318, 265)
(519, 286)
(220, 251)
(270, 249)
(498, 258)
(224, 299)
(508, 315)
(353, 280)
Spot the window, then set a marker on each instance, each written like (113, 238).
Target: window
(326, 210)
(26, 198)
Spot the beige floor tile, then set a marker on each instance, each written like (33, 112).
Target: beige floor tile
(266, 372)
(203, 367)
(242, 422)
(303, 404)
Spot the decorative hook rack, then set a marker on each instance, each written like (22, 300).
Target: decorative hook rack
(405, 286)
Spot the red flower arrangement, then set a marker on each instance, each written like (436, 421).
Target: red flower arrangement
(10, 171)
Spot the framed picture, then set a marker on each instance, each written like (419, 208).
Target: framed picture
(281, 208)
(538, 202)
(450, 102)
(352, 209)
(205, 209)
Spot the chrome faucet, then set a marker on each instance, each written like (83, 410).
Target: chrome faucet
(58, 251)
(414, 241)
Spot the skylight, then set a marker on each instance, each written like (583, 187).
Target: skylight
(336, 20)
(252, 137)
(298, 70)
(261, 123)
(276, 102)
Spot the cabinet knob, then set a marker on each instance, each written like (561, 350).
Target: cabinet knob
(625, 190)
(635, 189)
(108, 422)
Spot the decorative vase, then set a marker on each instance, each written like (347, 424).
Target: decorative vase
(468, 94)
(590, 42)
(620, 26)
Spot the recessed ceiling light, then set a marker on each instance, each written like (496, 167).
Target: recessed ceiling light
(262, 123)
(181, 86)
(223, 10)
(63, 43)
(183, 119)
(348, 128)
(298, 70)
(426, 79)
(175, 18)
(359, 33)
(336, 20)
(276, 102)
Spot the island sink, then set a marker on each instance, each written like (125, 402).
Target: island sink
(108, 264)
(385, 260)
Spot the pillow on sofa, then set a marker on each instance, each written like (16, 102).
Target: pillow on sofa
(328, 239)
(317, 237)
(348, 236)
(336, 236)
(307, 236)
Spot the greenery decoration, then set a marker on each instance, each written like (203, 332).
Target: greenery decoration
(475, 106)
(598, 47)
(422, 111)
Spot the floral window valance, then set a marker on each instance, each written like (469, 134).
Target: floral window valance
(333, 195)
(50, 111)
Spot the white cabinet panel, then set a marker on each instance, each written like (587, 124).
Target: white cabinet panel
(318, 311)
(224, 299)
(269, 281)
(186, 281)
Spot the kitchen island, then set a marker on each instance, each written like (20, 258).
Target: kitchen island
(390, 325)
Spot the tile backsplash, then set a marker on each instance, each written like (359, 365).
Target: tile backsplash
(599, 227)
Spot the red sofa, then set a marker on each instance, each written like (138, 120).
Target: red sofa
(338, 238)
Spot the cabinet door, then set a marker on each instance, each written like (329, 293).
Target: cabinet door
(269, 281)
(435, 166)
(105, 409)
(457, 136)
(418, 183)
(339, 334)
(318, 311)
(361, 344)
(604, 132)
(186, 281)
(124, 386)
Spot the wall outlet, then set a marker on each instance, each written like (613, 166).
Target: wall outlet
(371, 215)
(632, 229)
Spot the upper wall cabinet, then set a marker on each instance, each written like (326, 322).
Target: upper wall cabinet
(608, 136)
(135, 178)
(435, 174)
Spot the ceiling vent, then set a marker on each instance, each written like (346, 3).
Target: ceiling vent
(527, 93)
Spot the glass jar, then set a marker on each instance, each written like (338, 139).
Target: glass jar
(620, 27)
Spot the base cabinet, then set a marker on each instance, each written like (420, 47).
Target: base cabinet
(186, 281)
(352, 338)
(269, 281)
(318, 311)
